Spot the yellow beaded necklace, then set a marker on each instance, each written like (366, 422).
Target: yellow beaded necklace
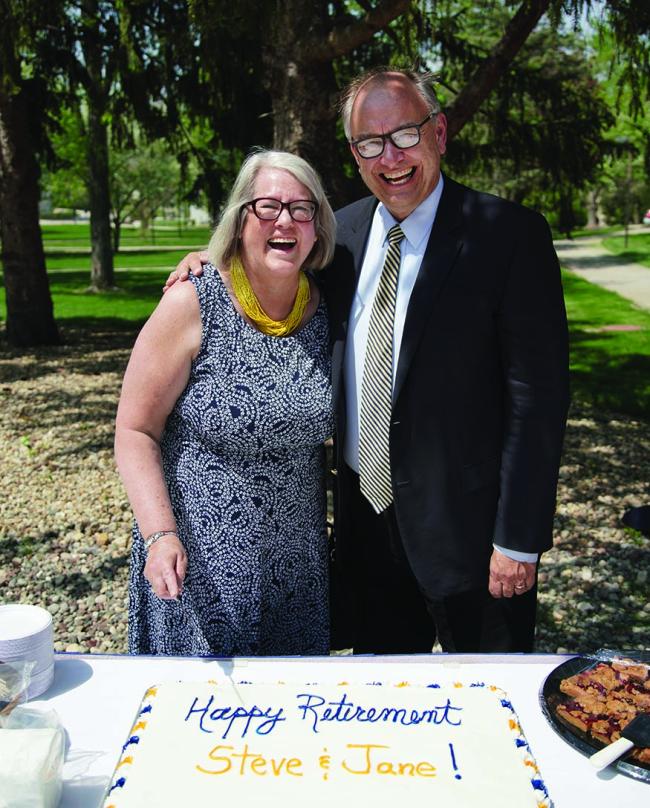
(251, 306)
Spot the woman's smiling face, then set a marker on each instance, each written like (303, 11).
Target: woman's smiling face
(276, 248)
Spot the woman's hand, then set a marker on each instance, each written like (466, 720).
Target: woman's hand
(166, 567)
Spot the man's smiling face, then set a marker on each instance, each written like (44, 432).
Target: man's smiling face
(400, 178)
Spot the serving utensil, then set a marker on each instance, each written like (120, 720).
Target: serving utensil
(636, 733)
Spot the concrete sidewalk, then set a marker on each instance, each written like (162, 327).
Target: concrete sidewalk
(591, 261)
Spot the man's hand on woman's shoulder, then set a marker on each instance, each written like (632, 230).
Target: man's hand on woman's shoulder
(192, 263)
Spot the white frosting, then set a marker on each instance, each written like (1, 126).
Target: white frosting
(290, 745)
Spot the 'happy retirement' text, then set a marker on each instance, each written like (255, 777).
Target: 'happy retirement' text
(315, 710)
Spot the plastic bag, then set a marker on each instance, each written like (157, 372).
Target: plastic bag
(14, 682)
(32, 746)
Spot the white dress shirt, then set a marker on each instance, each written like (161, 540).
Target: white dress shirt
(417, 229)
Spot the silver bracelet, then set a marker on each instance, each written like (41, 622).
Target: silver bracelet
(158, 535)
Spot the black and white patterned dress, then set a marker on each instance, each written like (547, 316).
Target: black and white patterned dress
(243, 459)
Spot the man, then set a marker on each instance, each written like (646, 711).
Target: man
(450, 366)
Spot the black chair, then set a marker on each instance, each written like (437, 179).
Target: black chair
(639, 519)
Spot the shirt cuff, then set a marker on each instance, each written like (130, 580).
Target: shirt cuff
(515, 555)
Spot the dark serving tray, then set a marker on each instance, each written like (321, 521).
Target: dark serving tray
(550, 696)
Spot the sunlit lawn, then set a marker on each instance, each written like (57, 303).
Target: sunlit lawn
(77, 236)
(139, 259)
(586, 231)
(610, 369)
(135, 299)
(637, 250)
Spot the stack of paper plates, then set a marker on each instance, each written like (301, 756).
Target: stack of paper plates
(26, 636)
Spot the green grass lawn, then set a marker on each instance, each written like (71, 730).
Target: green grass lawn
(135, 299)
(140, 272)
(162, 260)
(610, 369)
(77, 236)
(637, 250)
(587, 231)
(137, 296)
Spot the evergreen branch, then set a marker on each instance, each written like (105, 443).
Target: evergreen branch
(482, 82)
(345, 38)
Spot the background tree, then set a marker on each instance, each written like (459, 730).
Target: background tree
(246, 73)
(286, 64)
(305, 50)
(114, 55)
(146, 179)
(539, 138)
(65, 175)
(621, 190)
(202, 145)
(25, 102)
(142, 177)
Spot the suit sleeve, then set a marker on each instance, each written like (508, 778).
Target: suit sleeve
(533, 338)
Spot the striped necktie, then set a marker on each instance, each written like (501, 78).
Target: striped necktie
(377, 384)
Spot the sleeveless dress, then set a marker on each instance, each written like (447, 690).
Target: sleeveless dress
(244, 463)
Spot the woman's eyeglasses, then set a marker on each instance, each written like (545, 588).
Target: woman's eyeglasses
(268, 209)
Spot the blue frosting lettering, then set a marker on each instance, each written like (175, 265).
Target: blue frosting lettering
(315, 709)
(261, 721)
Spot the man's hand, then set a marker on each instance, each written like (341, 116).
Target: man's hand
(166, 567)
(193, 262)
(509, 577)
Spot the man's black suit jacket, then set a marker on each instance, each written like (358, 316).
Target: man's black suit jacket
(481, 392)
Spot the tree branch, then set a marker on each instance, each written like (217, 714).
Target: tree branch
(485, 77)
(345, 38)
(368, 8)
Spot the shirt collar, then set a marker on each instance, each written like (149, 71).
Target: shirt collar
(417, 225)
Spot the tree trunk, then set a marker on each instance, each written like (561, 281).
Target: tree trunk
(301, 82)
(30, 317)
(101, 270)
(304, 91)
(97, 86)
(117, 229)
(593, 219)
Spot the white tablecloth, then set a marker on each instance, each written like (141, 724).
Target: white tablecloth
(97, 698)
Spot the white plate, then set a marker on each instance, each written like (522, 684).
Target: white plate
(40, 683)
(20, 622)
(42, 655)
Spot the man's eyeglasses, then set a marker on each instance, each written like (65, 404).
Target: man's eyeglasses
(404, 138)
(300, 210)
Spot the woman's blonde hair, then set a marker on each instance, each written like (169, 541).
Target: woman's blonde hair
(224, 244)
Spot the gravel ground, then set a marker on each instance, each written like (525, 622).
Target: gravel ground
(65, 521)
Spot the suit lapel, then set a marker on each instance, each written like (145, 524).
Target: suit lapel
(352, 237)
(443, 247)
(359, 230)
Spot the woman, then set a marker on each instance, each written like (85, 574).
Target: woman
(225, 406)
